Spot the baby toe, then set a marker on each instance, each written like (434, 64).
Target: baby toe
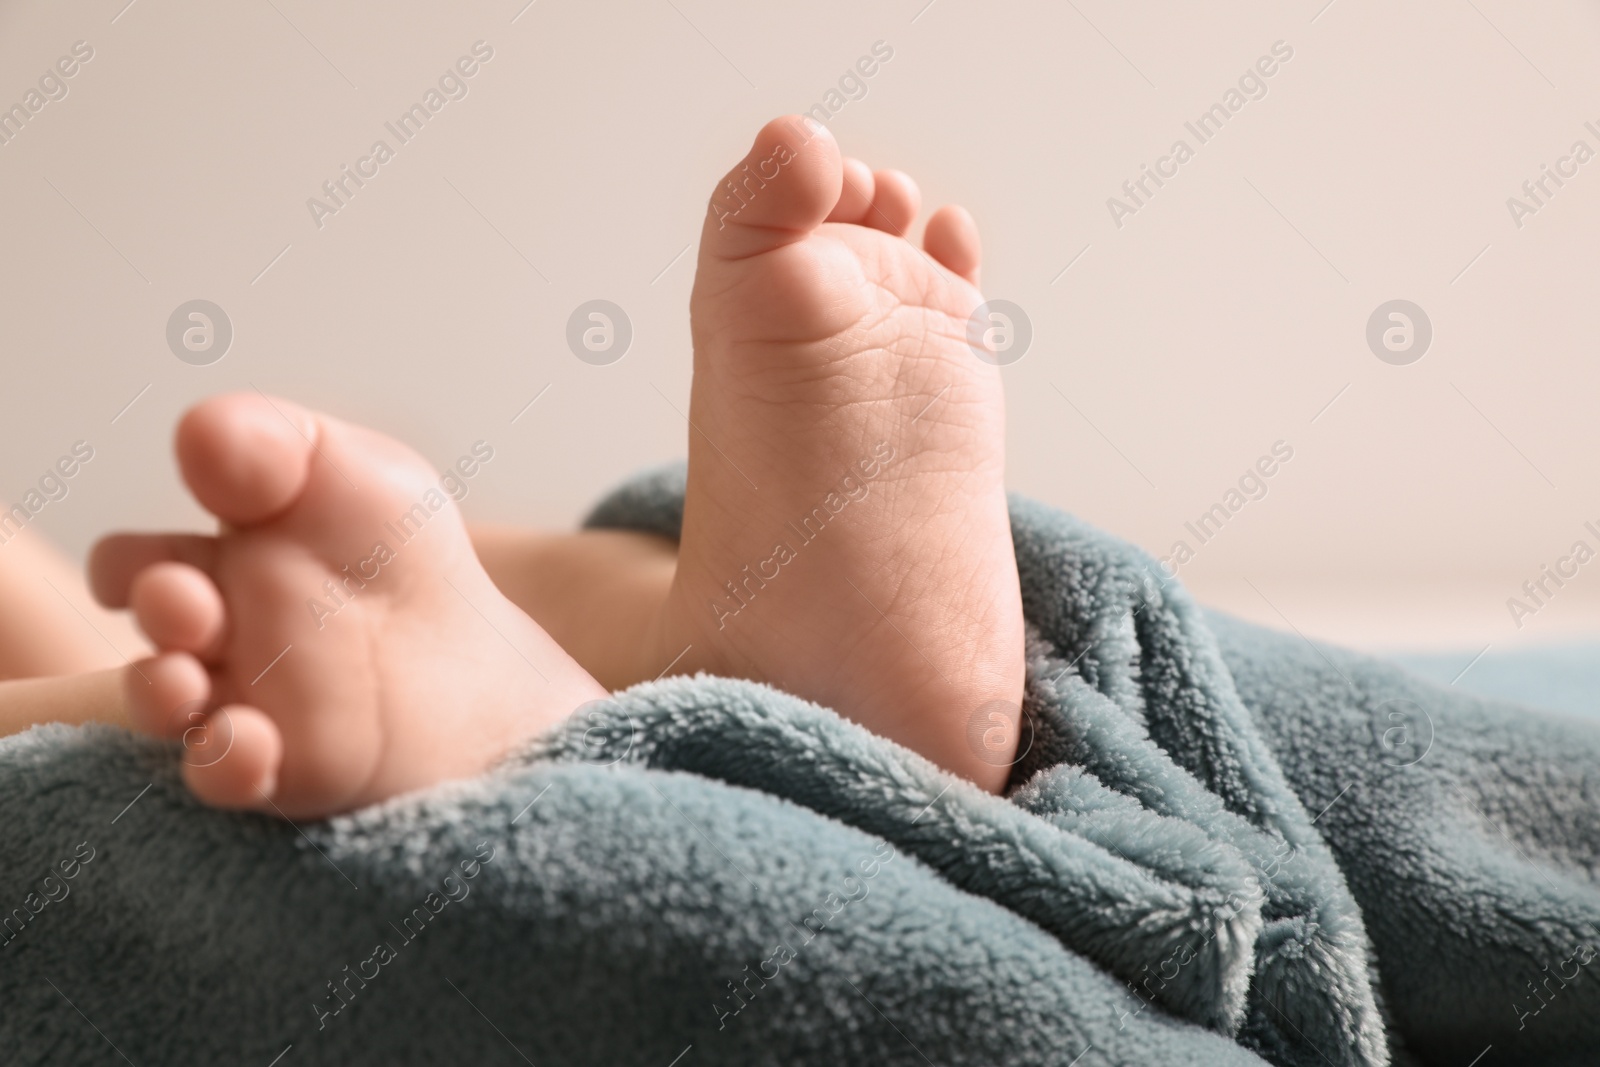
(896, 201)
(784, 188)
(246, 457)
(952, 239)
(179, 608)
(855, 194)
(231, 759)
(167, 694)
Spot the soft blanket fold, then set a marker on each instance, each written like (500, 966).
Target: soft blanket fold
(1221, 846)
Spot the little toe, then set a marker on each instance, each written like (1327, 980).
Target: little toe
(952, 239)
(167, 694)
(116, 560)
(244, 456)
(231, 760)
(896, 201)
(855, 193)
(179, 608)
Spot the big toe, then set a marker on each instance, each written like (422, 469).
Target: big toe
(784, 188)
(245, 456)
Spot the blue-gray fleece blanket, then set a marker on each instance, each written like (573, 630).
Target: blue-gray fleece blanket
(1223, 845)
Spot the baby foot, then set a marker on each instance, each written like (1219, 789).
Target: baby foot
(337, 643)
(845, 531)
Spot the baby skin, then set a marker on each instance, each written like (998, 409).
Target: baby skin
(424, 672)
(845, 533)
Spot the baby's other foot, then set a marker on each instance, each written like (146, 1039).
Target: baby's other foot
(337, 643)
(845, 531)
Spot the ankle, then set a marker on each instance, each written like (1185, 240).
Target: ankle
(600, 594)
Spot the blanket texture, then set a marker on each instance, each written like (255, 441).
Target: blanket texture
(1221, 845)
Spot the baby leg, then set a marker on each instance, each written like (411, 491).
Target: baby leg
(49, 624)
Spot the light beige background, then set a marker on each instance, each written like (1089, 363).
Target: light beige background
(1224, 316)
